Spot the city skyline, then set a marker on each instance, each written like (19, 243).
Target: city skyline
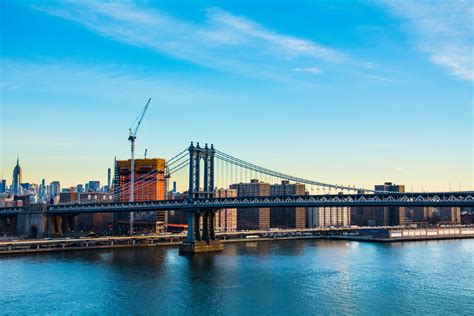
(328, 97)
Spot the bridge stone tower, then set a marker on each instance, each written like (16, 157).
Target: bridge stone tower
(201, 232)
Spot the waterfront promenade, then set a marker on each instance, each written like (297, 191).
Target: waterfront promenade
(369, 234)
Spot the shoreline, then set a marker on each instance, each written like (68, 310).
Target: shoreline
(48, 246)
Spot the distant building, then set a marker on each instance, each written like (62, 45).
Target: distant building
(80, 188)
(467, 216)
(3, 186)
(328, 216)
(149, 185)
(54, 188)
(363, 216)
(94, 186)
(17, 178)
(445, 215)
(226, 219)
(390, 216)
(287, 217)
(253, 218)
(108, 179)
(42, 190)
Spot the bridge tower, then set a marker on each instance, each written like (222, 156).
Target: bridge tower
(201, 230)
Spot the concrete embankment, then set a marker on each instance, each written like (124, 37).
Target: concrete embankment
(356, 234)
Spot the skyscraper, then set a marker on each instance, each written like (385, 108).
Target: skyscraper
(3, 186)
(42, 190)
(17, 178)
(108, 179)
(94, 186)
(54, 188)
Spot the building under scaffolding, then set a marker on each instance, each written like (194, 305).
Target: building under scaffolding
(149, 185)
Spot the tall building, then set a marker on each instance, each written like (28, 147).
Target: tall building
(287, 217)
(17, 178)
(390, 216)
(3, 186)
(94, 186)
(108, 179)
(42, 189)
(226, 219)
(149, 185)
(80, 188)
(54, 188)
(253, 218)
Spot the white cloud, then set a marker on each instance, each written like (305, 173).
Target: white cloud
(222, 41)
(311, 70)
(444, 30)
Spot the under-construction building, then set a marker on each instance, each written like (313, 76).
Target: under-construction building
(149, 185)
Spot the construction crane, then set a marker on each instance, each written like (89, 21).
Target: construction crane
(132, 138)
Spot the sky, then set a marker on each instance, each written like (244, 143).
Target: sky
(344, 92)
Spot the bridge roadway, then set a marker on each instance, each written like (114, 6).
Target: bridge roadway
(430, 199)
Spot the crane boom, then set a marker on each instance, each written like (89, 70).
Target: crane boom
(141, 117)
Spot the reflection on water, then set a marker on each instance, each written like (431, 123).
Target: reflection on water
(283, 277)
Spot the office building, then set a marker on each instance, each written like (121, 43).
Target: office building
(252, 218)
(149, 185)
(94, 186)
(3, 186)
(108, 179)
(226, 219)
(287, 217)
(17, 179)
(54, 189)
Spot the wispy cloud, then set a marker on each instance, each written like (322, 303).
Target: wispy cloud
(311, 70)
(221, 41)
(444, 30)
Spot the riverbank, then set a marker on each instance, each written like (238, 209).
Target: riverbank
(384, 235)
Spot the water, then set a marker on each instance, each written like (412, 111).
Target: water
(269, 278)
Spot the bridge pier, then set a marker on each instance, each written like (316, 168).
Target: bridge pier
(201, 239)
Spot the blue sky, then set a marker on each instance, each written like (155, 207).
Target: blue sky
(347, 92)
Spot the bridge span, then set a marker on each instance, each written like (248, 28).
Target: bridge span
(201, 203)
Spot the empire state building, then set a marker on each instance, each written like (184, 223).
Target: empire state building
(16, 184)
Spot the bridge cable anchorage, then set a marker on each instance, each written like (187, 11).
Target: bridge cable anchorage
(246, 165)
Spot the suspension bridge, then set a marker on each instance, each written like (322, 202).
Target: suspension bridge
(198, 171)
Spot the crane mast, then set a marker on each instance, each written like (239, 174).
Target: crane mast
(132, 137)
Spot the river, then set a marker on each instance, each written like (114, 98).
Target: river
(268, 278)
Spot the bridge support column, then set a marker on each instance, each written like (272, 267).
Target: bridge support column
(205, 227)
(190, 237)
(212, 228)
(197, 226)
(205, 242)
